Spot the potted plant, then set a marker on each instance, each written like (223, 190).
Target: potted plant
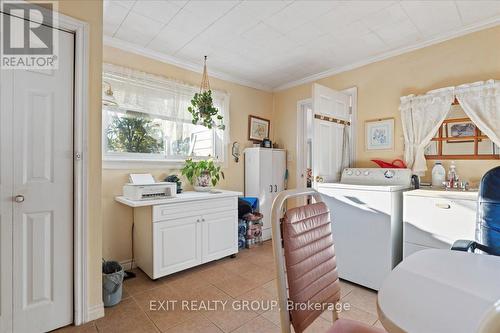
(203, 175)
(203, 110)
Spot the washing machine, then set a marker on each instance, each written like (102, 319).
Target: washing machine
(366, 208)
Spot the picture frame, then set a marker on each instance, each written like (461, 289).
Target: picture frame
(460, 129)
(379, 134)
(258, 128)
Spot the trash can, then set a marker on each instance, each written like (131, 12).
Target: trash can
(112, 281)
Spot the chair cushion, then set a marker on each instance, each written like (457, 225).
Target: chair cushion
(310, 262)
(350, 326)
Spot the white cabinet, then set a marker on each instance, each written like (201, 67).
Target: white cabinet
(174, 234)
(436, 219)
(264, 178)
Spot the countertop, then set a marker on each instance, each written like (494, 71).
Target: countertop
(181, 197)
(442, 193)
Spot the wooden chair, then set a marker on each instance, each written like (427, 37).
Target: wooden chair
(304, 255)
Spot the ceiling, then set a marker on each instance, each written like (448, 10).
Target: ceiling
(275, 44)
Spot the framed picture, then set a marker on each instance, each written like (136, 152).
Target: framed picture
(458, 130)
(379, 134)
(258, 128)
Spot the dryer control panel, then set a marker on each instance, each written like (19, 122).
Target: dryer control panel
(376, 176)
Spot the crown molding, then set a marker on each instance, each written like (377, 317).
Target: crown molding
(171, 60)
(441, 38)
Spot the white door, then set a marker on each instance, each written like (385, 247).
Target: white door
(6, 201)
(328, 136)
(220, 235)
(37, 187)
(177, 245)
(266, 189)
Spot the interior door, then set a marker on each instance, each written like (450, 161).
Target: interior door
(5, 201)
(328, 136)
(37, 189)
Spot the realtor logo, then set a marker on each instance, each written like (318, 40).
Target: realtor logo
(29, 37)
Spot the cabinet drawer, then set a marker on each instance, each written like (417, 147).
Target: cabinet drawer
(438, 222)
(193, 208)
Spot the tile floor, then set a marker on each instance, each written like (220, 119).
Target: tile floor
(249, 276)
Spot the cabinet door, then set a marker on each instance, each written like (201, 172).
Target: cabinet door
(438, 222)
(266, 186)
(176, 245)
(220, 235)
(279, 168)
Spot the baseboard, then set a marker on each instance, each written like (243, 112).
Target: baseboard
(266, 234)
(128, 264)
(95, 312)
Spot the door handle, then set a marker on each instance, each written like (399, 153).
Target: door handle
(275, 188)
(19, 198)
(271, 188)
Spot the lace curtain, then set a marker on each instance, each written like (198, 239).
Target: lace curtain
(421, 117)
(481, 103)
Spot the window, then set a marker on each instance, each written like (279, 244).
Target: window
(151, 123)
(458, 138)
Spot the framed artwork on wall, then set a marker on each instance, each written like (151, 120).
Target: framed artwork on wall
(258, 128)
(379, 134)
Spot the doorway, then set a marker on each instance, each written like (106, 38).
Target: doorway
(306, 124)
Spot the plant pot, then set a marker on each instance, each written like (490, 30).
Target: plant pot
(202, 183)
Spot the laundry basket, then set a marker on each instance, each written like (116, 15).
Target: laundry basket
(112, 282)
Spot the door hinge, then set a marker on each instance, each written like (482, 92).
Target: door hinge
(78, 156)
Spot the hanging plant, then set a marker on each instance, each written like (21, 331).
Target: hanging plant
(203, 110)
(202, 106)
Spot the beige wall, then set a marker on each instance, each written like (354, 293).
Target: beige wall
(117, 219)
(91, 12)
(469, 58)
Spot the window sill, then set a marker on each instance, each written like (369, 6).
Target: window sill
(130, 163)
(127, 164)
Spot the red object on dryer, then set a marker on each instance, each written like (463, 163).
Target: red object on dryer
(400, 164)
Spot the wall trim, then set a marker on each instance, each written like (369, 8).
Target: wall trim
(128, 264)
(444, 37)
(80, 133)
(171, 60)
(95, 311)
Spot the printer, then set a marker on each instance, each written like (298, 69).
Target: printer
(144, 187)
